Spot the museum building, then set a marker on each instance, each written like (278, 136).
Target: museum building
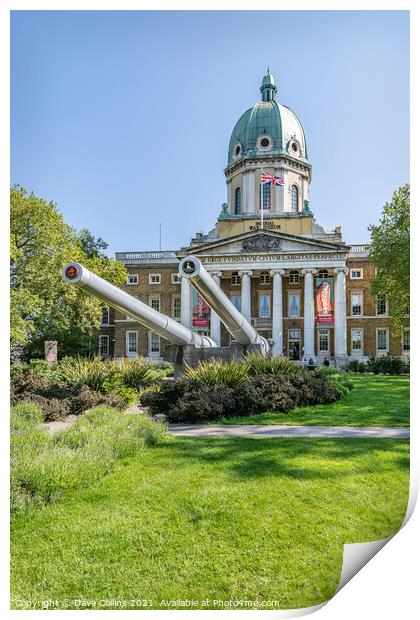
(297, 283)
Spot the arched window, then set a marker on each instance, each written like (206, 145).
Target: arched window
(264, 277)
(266, 197)
(237, 201)
(323, 273)
(294, 199)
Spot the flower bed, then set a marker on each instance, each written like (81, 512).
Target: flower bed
(76, 384)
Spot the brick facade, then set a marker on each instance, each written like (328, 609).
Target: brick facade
(166, 290)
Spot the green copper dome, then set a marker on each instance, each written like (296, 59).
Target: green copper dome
(269, 128)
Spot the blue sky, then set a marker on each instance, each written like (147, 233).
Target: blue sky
(123, 118)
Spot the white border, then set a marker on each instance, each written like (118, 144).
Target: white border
(387, 586)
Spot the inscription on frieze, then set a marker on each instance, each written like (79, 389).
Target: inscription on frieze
(250, 258)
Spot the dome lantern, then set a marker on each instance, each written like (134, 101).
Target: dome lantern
(268, 87)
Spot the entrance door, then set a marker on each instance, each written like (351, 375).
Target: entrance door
(293, 346)
(323, 343)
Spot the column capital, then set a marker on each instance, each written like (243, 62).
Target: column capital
(308, 270)
(345, 270)
(215, 274)
(245, 273)
(273, 272)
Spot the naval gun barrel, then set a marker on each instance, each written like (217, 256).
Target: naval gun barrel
(74, 273)
(235, 322)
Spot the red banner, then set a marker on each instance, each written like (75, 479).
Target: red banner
(200, 313)
(324, 300)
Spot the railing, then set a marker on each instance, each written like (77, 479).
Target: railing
(138, 258)
(362, 248)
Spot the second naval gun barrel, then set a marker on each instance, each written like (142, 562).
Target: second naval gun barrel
(234, 321)
(75, 273)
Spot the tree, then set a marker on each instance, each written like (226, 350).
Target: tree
(390, 254)
(43, 306)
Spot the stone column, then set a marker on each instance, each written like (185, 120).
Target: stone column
(246, 294)
(308, 314)
(214, 318)
(277, 275)
(340, 340)
(185, 302)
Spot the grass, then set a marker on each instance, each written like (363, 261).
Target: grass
(218, 518)
(45, 468)
(377, 400)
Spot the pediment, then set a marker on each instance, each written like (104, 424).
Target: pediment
(263, 242)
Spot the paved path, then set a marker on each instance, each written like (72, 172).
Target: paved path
(254, 430)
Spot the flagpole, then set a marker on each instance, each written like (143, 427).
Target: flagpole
(261, 204)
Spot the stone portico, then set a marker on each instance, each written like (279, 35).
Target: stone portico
(276, 255)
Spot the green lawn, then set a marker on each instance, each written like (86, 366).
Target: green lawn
(375, 401)
(216, 518)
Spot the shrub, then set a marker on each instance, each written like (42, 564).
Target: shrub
(356, 366)
(217, 372)
(387, 365)
(315, 389)
(85, 398)
(165, 398)
(273, 392)
(203, 401)
(328, 370)
(261, 365)
(52, 408)
(140, 374)
(84, 371)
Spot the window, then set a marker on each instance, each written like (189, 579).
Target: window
(323, 273)
(176, 308)
(356, 274)
(264, 305)
(104, 315)
(323, 340)
(406, 340)
(154, 344)
(236, 300)
(235, 278)
(103, 346)
(265, 142)
(294, 199)
(154, 278)
(381, 306)
(266, 196)
(294, 334)
(154, 302)
(356, 304)
(382, 340)
(131, 343)
(265, 277)
(176, 278)
(294, 305)
(357, 340)
(237, 201)
(294, 277)
(132, 279)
